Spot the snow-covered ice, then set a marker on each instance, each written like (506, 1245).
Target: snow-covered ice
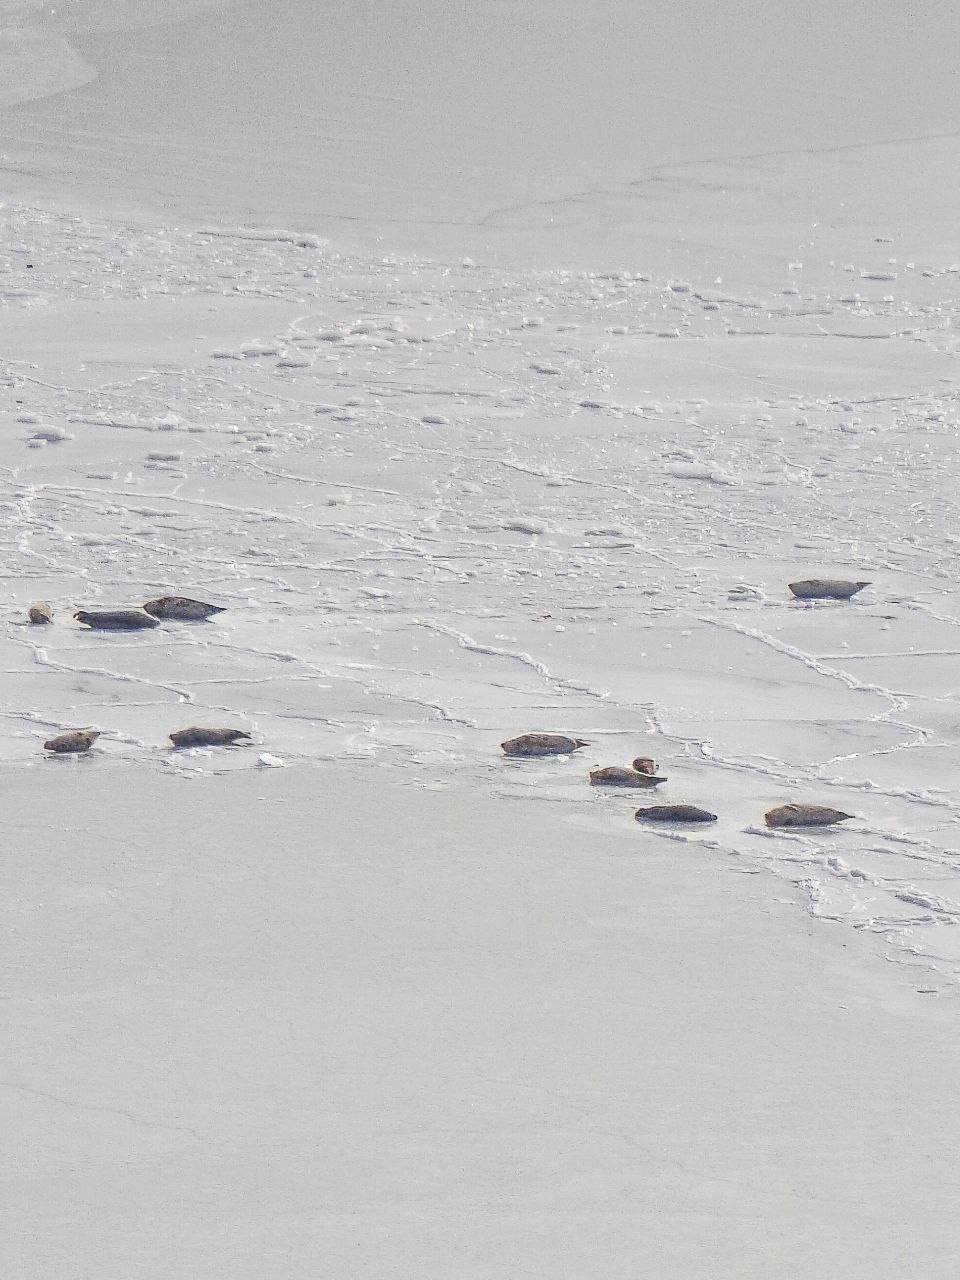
(479, 431)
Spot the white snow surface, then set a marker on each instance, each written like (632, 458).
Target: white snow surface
(496, 367)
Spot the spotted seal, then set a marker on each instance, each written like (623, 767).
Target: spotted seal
(674, 813)
(116, 619)
(72, 743)
(182, 608)
(804, 815)
(615, 775)
(196, 736)
(542, 744)
(826, 588)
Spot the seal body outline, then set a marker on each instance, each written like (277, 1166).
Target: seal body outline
(542, 744)
(115, 619)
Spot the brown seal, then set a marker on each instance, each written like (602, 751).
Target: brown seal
(615, 775)
(116, 619)
(72, 743)
(40, 613)
(643, 764)
(196, 736)
(674, 813)
(804, 815)
(826, 588)
(182, 607)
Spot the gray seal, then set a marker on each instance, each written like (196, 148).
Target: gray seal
(674, 813)
(542, 744)
(72, 743)
(182, 608)
(804, 815)
(826, 588)
(615, 775)
(116, 619)
(196, 736)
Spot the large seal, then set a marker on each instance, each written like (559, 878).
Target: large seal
(72, 743)
(182, 607)
(542, 744)
(615, 775)
(826, 588)
(674, 813)
(804, 815)
(196, 736)
(116, 619)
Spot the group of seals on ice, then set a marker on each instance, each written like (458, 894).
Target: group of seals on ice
(150, 614)
(643, 773)
(182, 608)
(80, 740)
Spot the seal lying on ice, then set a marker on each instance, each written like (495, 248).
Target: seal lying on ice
(181, 607)
(196, 736)
(116, 619)
(804, 815)
(643, 764)
(541, 744)
(826, 588)
(615, 775)
(40, 613)
(674, 813)
(71, 743)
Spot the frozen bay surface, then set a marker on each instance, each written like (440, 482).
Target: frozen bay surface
(552, 133)
(326, 1023)
(496, 367)
(446, 504)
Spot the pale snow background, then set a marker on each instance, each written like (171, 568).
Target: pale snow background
(496, 366)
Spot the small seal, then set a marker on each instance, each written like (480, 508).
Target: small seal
(825, 589)
(182, 608)
(541, 744)
(40, 613)
(804, 815)
(674, 813)
(643, 764)
(72, 743)
(196, 736)
(615, 775)
(116, 619)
